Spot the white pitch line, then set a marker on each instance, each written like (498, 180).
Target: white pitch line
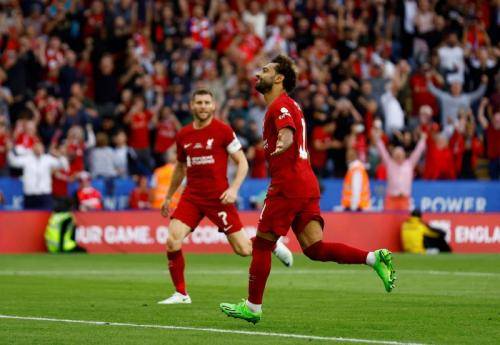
(292, 271)
(211, 330)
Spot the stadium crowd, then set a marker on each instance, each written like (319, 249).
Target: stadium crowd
(107, 83)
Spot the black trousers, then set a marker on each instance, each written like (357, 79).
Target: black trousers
(38, 202)
(437, 242)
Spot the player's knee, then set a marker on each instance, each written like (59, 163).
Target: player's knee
(314, 251)
(243, 250)
(173, 244)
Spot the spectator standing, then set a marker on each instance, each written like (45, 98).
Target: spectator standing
(101, 158)
(356, 187)
(162, 177)
(400, 171)
(492, 128)
(439, 163)
(166, 129)
(140, 197)
(455, 100)
(37, 175)
(88, 198)
(4, 144)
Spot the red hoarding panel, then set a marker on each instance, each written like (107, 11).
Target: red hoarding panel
(146, 231)
(22, 231)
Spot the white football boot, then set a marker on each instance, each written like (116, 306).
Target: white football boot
(177, 298)
(283, 254)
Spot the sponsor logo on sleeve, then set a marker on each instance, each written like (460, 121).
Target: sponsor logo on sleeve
(284, 113)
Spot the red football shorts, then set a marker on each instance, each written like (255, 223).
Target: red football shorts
(280, 213)
(225, 217)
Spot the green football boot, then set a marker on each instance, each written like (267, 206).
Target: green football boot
(385, 270)
(241, 311)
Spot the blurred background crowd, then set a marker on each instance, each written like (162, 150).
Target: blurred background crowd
(106, 84)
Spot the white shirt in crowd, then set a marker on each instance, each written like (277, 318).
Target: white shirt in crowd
(452, 58)
(393, 112)
(258, 21)
(37, 171)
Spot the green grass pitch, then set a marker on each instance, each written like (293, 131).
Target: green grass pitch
(447, 299)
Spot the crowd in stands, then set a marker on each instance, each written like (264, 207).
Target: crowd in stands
(107, 83)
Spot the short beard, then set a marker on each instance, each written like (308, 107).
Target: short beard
(203, 120)
(262, 87)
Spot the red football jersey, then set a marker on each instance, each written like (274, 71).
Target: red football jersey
(139, 199)
(75, 151)
(139, 131)
(165, 135)
(205, 152)
(89, 198)
(3, 150)
(291, 172)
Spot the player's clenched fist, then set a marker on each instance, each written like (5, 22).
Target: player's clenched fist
(165, 208)
(229, 196)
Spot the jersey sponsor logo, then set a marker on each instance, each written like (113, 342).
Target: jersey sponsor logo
(284, 113)
(202, 160)
(210, 142)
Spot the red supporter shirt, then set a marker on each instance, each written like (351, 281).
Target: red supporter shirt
(165, 135)
(319, 157)
(291, 172)
(26, 140)
(421, 94)
(139, 130)
(60, 180)
(75, 151)
(205, 152)
(493, 142)
(90, 198)
(139, 199)
(3, 150)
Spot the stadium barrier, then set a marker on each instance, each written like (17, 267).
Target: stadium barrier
(429, 196)
(146, 231)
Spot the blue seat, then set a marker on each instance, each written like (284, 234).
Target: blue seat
(121, 192)
(12, 190)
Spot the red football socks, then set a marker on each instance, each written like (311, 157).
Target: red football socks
(337, 252)
(253, 239)
(259, 268)
(176, 268)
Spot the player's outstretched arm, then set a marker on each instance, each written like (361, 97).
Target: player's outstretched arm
(177, 177)
(285, 140)
(230, 195)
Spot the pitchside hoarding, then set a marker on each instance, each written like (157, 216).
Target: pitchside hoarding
(146, 231)
(429, 196)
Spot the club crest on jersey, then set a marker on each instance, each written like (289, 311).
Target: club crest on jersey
(198, 146)
(284, 113)
(210, 142)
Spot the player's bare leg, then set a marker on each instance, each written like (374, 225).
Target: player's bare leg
(242, 246)
(251, 309)
(177, 231)
(311, 242)
(240, 243)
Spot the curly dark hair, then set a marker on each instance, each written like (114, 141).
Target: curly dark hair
(286, 67)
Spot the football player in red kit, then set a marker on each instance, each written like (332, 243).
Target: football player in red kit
(203, 148)
(293, 195)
